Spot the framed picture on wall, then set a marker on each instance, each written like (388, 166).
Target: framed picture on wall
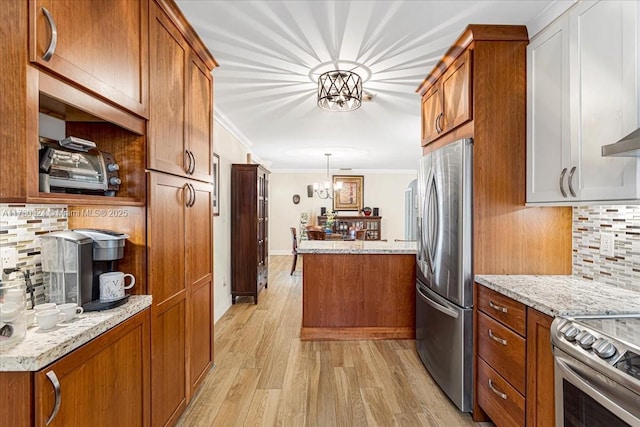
(350, 197)
(216, 185)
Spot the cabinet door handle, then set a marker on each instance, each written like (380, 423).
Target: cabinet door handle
(497, 307)
(56, 388)
(193, 191)
(562, 174)
(193, 168)
(186, 187)
(54, 35)
(438, 126)
(496, 391)
(573, 170)
(497, 338)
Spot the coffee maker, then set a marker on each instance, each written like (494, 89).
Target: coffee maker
(73, 261)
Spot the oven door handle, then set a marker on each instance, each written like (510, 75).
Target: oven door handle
(603, 399)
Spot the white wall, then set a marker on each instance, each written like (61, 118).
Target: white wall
(381, 190)
(230, 151)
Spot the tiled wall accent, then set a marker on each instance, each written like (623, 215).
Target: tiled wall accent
(20, 226)
(623, 269)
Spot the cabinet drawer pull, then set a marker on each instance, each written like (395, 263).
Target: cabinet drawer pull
(497, 338)
(573, 170)
(562, 174)
(497, 307)
(496, 391)
(56, 388)
(54, 35)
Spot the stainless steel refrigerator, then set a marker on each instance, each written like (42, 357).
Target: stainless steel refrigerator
(444, 283)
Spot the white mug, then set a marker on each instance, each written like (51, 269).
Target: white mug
(45, 306)
(70, 310)
(112, 285)
(47, 319)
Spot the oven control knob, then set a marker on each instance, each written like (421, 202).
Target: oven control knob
(570, 333)
(585, 339)
(603, 348)
(114, 180)
(112, 167)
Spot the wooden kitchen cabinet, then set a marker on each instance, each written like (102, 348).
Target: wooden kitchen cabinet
(447, 104)
(103, 383)
(181, 114)
(180, 257)
(576, 107)
(100, 45)
(249, 230)
(515, 361)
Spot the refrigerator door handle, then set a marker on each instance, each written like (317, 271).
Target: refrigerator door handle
(431, 216)
(441, 308)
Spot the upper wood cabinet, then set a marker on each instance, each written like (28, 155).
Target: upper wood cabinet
(101, 45)
(180, 125)
(447, 103)
(582, 93)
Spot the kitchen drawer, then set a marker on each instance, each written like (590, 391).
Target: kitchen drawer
(503, 349)
(502, 308)
(498, 399)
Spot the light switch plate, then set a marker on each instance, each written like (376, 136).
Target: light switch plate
(8, 257)
(607, 244)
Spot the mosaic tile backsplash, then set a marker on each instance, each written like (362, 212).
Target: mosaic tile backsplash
(622, 269)
(20, 226)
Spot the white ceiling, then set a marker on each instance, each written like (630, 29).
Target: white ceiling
(265, 95)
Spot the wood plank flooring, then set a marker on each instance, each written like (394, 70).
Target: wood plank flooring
(265, 376)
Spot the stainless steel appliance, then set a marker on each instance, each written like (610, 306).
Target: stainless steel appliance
(72, 261)
(73, 165)
(597, 370)
(444, 269)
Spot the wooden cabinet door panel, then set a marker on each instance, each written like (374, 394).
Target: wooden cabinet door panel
(199, 118)
(104, 383)
(540, 398)
(101, 45)
(199, 234)
(498, 399)
(456, 93)
(431, 109)
(200, 332)
(168, 361)
(166, 236)
(166, 132)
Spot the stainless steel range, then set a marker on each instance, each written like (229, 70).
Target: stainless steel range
(597, 370)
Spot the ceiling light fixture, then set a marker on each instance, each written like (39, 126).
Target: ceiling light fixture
(339, 91)
(326, 190)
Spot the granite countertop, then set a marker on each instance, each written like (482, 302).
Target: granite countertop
(564, 295)
(40, 348)
(355, 247)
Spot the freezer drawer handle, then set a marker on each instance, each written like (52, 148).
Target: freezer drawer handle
(497, 307)
(441, 308)
(496, 391)
(497, 338)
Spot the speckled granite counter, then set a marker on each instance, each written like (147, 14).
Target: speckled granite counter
(40, 348)
(355, 247)
(564, 295)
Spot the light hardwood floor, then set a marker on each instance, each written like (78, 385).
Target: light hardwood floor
(265, 376)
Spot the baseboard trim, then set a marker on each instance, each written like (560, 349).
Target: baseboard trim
(350, 334)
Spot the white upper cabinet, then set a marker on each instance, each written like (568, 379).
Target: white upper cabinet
(582, 93)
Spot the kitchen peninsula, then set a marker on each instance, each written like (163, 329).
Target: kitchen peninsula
(358, 290)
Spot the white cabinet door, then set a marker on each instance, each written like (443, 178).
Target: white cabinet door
(582, 93)
(604, 92)
(548, 137)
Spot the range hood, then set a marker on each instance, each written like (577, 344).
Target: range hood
(629, 146)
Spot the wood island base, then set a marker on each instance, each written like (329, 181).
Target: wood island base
(358, 296)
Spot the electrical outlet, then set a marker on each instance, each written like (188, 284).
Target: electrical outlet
(9, 257)
(607, 244)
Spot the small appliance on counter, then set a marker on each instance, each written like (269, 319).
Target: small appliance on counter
(73, 261)
(74, 165)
